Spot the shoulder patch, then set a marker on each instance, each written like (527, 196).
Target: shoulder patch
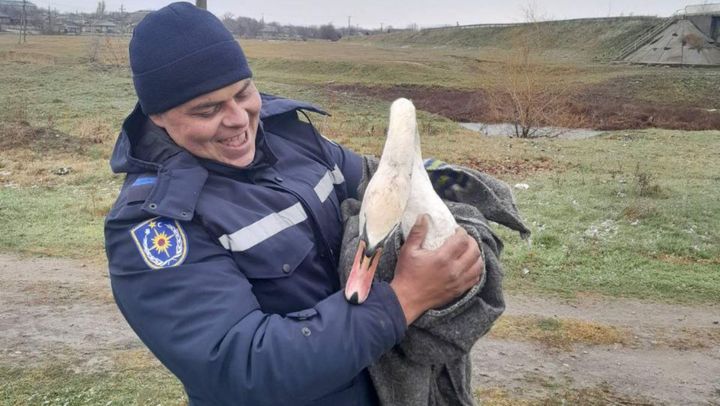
(161, 242)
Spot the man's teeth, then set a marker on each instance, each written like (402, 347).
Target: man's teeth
(236, 141)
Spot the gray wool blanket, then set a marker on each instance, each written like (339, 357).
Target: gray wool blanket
(431, 366)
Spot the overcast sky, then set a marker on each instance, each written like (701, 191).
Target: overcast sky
(371, 13)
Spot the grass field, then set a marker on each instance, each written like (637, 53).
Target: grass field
(631, 213)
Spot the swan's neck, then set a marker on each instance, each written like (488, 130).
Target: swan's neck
(388, 191)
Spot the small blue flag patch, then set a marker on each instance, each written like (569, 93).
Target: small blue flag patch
(161, 242)
(145, 181)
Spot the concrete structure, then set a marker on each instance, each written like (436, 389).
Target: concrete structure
(688, 39)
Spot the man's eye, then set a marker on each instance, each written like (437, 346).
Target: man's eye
(207, 112)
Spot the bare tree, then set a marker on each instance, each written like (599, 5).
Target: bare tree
(100, 11)
(525, 95)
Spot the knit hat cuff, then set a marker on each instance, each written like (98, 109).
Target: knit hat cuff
(200, 72)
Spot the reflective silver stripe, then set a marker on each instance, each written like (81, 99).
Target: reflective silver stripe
(337, 176)
(259, 231)
(325, 186)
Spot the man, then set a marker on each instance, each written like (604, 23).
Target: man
(223, 243)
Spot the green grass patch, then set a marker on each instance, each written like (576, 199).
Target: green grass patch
(59, 385)
(64, 222)
(631, 213)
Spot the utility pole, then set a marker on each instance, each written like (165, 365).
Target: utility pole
(201, 4)
(348, 31)
(24, 22)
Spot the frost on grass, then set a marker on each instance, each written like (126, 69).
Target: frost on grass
(603, 231)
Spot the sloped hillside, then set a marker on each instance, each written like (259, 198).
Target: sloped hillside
(598, 38)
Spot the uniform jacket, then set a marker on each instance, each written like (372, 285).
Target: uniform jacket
(229, 276)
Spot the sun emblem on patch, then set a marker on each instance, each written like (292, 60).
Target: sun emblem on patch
(161, 242)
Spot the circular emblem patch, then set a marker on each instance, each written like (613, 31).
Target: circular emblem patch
(161, 242)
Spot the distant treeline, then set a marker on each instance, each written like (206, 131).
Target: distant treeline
(252, 28)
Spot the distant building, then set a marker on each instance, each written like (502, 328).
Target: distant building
(72, 27)
(4, 19)
(102, 27)
(685, 39)
(19, 4)
(136, 16)
(269, 32)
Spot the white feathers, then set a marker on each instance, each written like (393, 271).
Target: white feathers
(400, 189)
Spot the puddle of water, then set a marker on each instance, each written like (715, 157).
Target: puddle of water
(507, 130)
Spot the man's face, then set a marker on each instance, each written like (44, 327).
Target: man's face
(220, 125)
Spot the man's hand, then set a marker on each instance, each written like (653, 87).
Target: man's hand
(429, 279)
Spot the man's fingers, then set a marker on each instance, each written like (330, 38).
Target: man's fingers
(417, 233)
(470, 254)
(456, 245)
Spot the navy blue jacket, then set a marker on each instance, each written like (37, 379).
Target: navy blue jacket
(229, 275)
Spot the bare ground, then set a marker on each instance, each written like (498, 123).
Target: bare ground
(61, 310)
(608, 106)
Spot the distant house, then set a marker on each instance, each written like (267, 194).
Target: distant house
(103, 27)
(269, 31)
(136, 16)
(18, 4)
(4, 20)
(72, 27)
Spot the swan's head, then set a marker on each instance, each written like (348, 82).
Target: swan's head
(385, 199)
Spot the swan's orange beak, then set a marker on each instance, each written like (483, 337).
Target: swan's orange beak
(361, 275)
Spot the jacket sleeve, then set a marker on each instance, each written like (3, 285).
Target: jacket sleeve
(201, 319)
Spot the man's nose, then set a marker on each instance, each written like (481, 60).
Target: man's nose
(236, 115)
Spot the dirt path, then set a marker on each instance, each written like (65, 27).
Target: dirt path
(673, 357)
(61, 310)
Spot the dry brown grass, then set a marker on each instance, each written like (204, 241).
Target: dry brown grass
(22, 56)
(557, 333)
(56, 293)
(639, 210)
(108, 51)
(600, 395)
(499, 397)
(61, 48)
(96, 131)
(693, 41)
(139, 359)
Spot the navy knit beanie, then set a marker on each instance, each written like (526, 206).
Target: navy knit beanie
(180, 52)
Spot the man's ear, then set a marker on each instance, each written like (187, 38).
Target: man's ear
(158, 120)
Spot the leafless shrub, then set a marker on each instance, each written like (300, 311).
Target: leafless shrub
(108, 51)
(693, 41)
(16, 111)
(524, 94)
(93, 52)
(646, 184)
(96, 131)
(639, 210)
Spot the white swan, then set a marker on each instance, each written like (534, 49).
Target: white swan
(399, 191)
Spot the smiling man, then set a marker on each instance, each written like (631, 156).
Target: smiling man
(223, 243)
(221, 125)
